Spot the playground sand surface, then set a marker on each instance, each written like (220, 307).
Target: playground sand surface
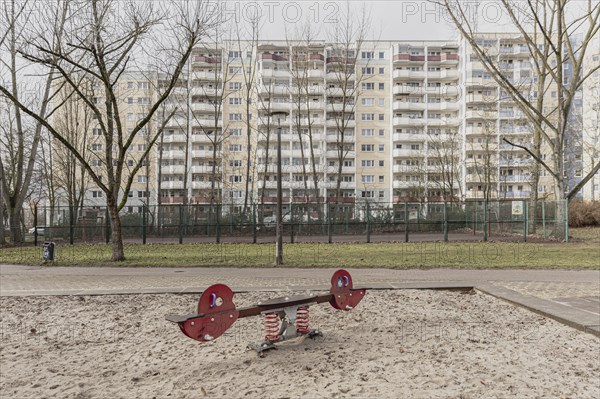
(394, 344)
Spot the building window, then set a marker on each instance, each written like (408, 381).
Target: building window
(381, 147)
(367, 148)
(381, 71)
(381, 55)
(381, 86)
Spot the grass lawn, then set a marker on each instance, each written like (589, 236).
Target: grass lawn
(584, 254)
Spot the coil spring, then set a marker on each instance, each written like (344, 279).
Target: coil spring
(271, 322)
(302, 320)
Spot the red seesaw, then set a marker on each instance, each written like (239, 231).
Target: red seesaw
(217, 312)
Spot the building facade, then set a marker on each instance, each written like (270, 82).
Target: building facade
(377, 122)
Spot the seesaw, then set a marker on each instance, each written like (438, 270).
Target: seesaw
(217, 312)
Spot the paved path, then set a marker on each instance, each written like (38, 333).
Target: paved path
(566, 294)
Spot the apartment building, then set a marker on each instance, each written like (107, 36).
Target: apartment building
(387, 122)
(591, 121)
(135, 93)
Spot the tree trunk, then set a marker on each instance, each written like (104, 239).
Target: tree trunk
(118, 254)
(15, 226)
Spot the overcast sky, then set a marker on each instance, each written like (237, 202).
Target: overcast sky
(390, 19)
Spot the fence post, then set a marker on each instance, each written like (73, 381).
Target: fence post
(368, 212)
(526, 221)
(485, 228)
(566, 221)
(144, 224)
(544, 217)
(329, 224)
(180, 229)
(291, 223)
(71, 227)
(35, 223)
(219, 216)
(405, 221)
(445, 223)
(254, 223)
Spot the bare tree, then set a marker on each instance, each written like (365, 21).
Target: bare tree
(21, 136)
(348, 39)
(247, 41)
(307, 69)
(549, 29)
(445, 163)
(99, 47)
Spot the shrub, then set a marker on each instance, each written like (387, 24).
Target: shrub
(582, 214)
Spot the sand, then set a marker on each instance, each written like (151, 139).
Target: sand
(394, 344)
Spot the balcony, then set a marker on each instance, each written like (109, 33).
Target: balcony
(272, 57)
(268, 90)
(515, 178)
(207, 122)
(203, 154)
(404, 89)
(275, 73)
(406, 153)
(337, 123)
(315, 74)
(443, 122)
(444, 90)
(333, 138)
(335, 154)
(312, 105)
(202, 59)
(408, 106)
(444, 58)
(204, 107)
(340, 76)
(515, 194)
(344, 185)
(443, 106)
(207, 76)
(207, 91)
(177, 121)
(408, 74)
(408, 58)
(480, 98)
(338, 107)
(480, 114)
(201, 185)
(205, 169)
(172, 169)
(174, 138)
(446, 74)
(404, 184)
(481, 82)
(173, 154)
(406, 121)
(270, 106)
(515, 162)
(408, 137)
(172, 185)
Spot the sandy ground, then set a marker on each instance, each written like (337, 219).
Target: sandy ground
(394, 344)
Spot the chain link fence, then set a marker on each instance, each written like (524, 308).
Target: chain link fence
(304, 222)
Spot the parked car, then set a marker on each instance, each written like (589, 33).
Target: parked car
(40, 230)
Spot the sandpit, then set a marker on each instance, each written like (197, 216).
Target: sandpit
(394, 344)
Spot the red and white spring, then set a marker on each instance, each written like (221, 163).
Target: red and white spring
(271, 322)
(302, 320)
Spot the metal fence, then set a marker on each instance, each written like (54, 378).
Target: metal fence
(319, 222)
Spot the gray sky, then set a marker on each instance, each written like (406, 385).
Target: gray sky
(390, 20)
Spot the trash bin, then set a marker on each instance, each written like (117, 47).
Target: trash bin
(48, 251)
